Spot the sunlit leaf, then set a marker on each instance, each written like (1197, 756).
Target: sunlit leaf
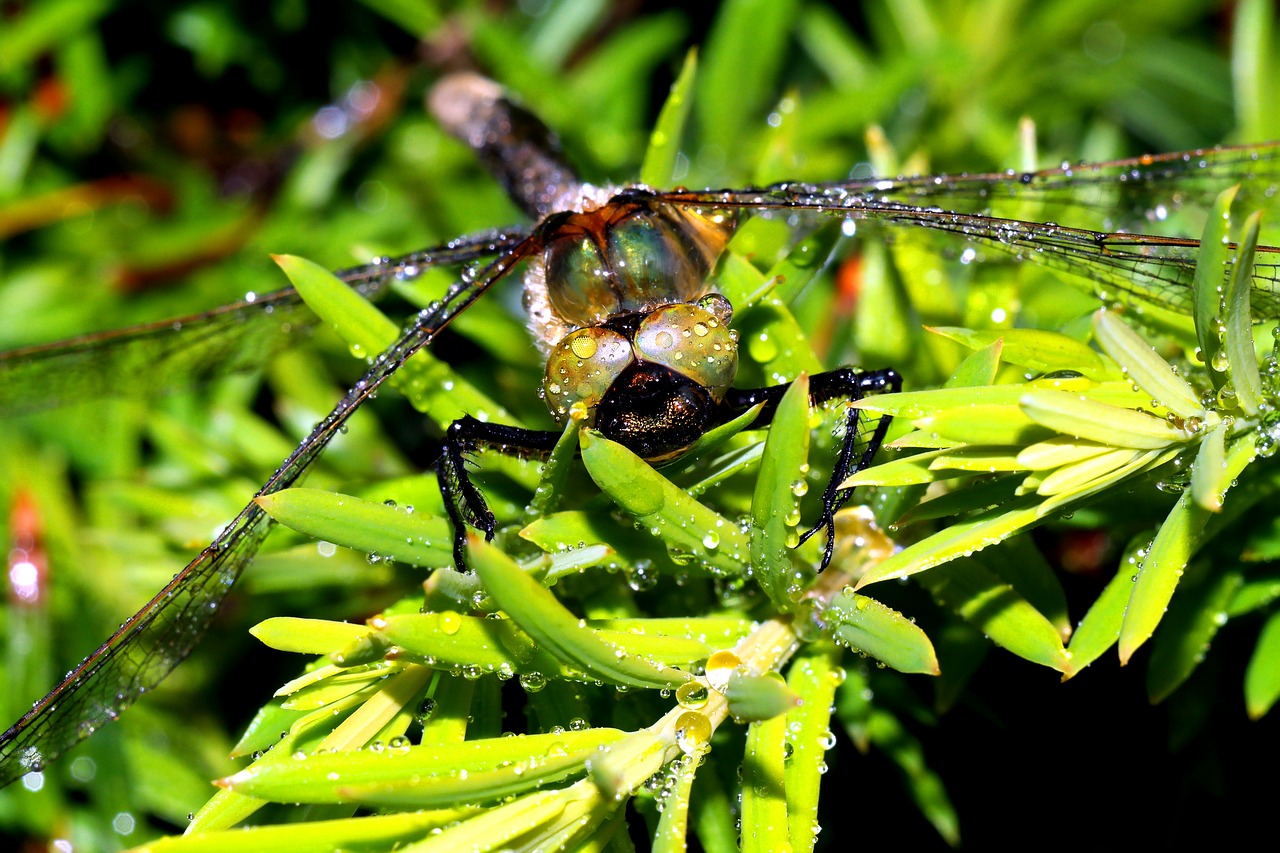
(1262, 677)
(1212, 270)
(1167, 557)
(1242, 363)
(382, 530)
(872, 628)
(1036, 350)
(1151, 372)
(996, 609)
(1071, 415)
(774, 506)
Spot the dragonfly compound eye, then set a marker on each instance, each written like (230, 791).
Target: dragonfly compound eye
(583, 366)
(661, 255)
(692, 341)
(578, 280)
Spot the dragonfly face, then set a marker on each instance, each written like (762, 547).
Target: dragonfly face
(638, 344)
(621, 283)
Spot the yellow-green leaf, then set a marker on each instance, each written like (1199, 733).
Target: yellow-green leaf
(1145, 367)
(1071, 414)
(541, 615)
(883, 633)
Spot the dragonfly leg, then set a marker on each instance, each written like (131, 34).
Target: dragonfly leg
(861, 439)
(462, 500)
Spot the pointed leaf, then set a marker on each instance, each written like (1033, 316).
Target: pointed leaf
(1100, 628)
(1190, 626)
(903, 471)
(659, 167)
(1262, 677)
(754, 698)
(1070, 414)
(1144, 366)
(1174, 545)
(429, 383)
(979, 368)
(865, 624)
(1242, 362)
(1207, 473)
(774, 510)
(1080, 475)
(995, 608)
(307, 636)
(371, 832)
(672, 833)
(541, 615)
(688, 528)
(764, 801)
(814, 675)
(1212, 269)
(978, 459)
(391, 532)
(994, 525)
(980, 424)
(1060, 451)
(1034, 349)
(426, 776)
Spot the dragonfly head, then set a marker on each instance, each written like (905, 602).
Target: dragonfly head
(651, 380)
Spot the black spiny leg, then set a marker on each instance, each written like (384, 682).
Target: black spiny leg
(462, 500)
(856, 451)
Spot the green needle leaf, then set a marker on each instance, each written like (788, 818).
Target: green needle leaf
(671, 836)
(391, 532)
(774, 509)
(426, 776)
(1034, 349)
(1208, 472)
(1174, 545)
(1151, 372)
(1060, 451)
(308, 636)
(429, 383)
(1262, 677)
(978, 368)
(541, 615)
(983, 424)
(814, 675)
(1100, 627)
(764, 801)
(1080, 475)
(903, 471)
(1070, 414)
(376, 832)
(758, 697)
(1242, 363)
(1212, 270)
(994, 525)
(865, 624)
(995, 608)
(1190, 626)
(659, 167)
(689, 529)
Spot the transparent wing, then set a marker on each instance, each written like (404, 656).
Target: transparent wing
(170, 354)
(153, 641)
(1117, 264)
(1135, 194)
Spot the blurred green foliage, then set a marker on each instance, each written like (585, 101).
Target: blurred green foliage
(153, 154)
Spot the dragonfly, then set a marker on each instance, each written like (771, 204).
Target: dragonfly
(600, 263)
